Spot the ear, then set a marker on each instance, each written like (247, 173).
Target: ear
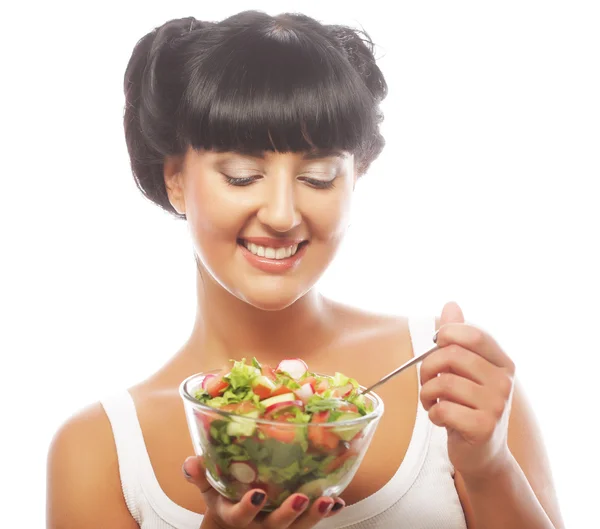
(173, 176)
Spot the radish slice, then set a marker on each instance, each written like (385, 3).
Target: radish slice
(343, 391)
(206, 380)
(305, 392)
(243, 471)
(278, 406)
(294, 367)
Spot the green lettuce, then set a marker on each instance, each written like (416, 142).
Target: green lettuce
(318, 403)
(242, 375)
(341, 380)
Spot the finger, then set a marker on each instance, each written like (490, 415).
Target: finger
(476, 340)
(449, 386)
(317, 511)
(289, 510)
(475, 426)
(242, 513)
(337, 507)
(194, 471)
(460, 361)
(451, 313)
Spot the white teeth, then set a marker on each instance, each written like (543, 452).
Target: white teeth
(271, 253)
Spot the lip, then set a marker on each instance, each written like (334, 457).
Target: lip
(273, 266)
(272, 243)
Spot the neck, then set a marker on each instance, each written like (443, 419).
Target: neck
(229, 328)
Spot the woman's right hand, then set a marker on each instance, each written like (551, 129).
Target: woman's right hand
(222, 513)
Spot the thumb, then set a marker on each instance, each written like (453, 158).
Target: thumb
(451, 313)
(194, 472)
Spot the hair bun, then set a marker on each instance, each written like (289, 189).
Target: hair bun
(359, 49)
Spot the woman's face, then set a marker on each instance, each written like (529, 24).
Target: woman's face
(265, 228)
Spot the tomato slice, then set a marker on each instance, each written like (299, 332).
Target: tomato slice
(263, 392)
(280, 390)
(286, 433)
(215, 386)
(322, 386)
(340, 460)
(348, 406)
(322, 438)
(269, 372)
(240, 408)
(283, 433)
(320, 417)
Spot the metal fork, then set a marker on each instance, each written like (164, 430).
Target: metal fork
(404, 366)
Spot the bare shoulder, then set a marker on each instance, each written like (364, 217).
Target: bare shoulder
(368, 324)
(385, 336)
(83, 484)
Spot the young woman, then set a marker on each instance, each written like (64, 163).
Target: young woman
(254, 131)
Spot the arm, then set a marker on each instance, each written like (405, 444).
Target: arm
(521, 494)
(83, 484)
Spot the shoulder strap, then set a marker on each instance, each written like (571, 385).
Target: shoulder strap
(143, 495)
(421, 334)
(130, 446)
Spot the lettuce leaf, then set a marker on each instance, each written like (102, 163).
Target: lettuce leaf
(279, 474)
(364, 406)
(318, 403)
(241, 375)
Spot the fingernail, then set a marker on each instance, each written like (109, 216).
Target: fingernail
(435, 337)
(299, 503)
(185, 472)
(325, 507)
(257, 498)
(337, 506)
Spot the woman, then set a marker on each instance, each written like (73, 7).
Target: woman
(254, 130)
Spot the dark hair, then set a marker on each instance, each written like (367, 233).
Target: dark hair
(250, 83)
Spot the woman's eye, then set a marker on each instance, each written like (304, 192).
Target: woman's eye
(239, 181)
(319, 184)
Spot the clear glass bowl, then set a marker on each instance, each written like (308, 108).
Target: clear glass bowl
(244, 453)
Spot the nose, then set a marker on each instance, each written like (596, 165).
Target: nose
(279, 210)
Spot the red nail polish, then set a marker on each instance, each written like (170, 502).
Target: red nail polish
(325, 507)
(299, 503)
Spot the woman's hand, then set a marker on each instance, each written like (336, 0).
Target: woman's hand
(474, 388)
(224, 514)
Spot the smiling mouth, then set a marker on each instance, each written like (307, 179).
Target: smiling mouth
(268, 252)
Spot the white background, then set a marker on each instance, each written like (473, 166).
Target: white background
(486, 194)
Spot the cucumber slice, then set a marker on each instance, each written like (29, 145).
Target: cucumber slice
(240, 426)
(277, 399)
(347, 432)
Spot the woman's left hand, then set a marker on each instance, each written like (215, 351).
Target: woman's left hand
(474, 388)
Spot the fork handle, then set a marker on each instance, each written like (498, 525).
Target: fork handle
(404, 366)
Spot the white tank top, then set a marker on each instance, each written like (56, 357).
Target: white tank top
(420, 495)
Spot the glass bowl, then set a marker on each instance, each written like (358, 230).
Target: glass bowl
(243, 453)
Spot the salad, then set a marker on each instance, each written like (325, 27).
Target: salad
(309, 435)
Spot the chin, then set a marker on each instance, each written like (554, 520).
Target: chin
(270, 299)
